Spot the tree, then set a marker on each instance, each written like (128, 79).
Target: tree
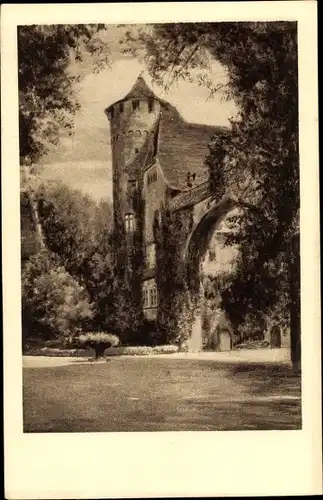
(78, 231)
(47, 98)
(54, 304)
(258, 160)
(68, 219)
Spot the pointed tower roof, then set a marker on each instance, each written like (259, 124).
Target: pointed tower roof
(140, 90)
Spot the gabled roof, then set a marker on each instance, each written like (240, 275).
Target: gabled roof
(183, 148)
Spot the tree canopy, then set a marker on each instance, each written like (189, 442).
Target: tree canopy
(257, 161)
(47, 100)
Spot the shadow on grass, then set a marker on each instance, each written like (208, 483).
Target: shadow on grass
(262, 378)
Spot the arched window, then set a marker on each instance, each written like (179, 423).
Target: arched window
(121, 107)
(137, 133)
(135, 104)
(129, 222)
(130, 133)
(145, 133)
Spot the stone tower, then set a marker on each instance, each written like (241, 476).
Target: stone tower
(133, 122)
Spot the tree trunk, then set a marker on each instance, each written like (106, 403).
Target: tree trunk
(36, 219)
(295, 310)
(30, 183)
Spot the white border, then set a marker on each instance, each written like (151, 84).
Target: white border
(121, 465)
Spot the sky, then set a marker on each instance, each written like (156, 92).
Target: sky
(83, 161)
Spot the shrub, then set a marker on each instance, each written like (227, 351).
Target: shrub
(165, 349)
(99, 341)
(142, 350)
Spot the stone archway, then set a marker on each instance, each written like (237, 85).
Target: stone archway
(196, 255)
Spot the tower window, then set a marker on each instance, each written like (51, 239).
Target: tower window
(150, 105)
(110, 113)
(135, 104)
(212, 255)
(136, 150)
(129, 223)
(132, 183)
(151, 176)
(137, 133)
(121, 107)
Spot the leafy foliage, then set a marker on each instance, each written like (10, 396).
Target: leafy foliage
(47, 100)
(53, 303)
(258, 160)
(174, 316)
(92, 338)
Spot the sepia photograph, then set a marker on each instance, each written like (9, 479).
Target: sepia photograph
(160, 258)
(161, 252)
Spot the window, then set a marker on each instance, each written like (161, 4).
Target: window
(212, 255)
(137, 133)
(121, 107)
(153, 296)
(132, 184)
(151, 177)
(110, 113)
(130, 133)
(136, 150)
(150, 105)
(146, 297)
(135, 104)
(149, 293)
(129, 223)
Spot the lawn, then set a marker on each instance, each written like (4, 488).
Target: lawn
(160, 394)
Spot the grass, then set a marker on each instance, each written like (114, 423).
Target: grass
(154, 394)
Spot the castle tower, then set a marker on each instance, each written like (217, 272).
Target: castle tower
(133, 122)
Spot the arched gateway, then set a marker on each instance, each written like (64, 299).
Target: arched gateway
(209, 260)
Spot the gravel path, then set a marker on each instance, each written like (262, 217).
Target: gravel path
(243, 356)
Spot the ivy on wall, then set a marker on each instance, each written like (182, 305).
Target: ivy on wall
(176, 302)
(129, 262)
